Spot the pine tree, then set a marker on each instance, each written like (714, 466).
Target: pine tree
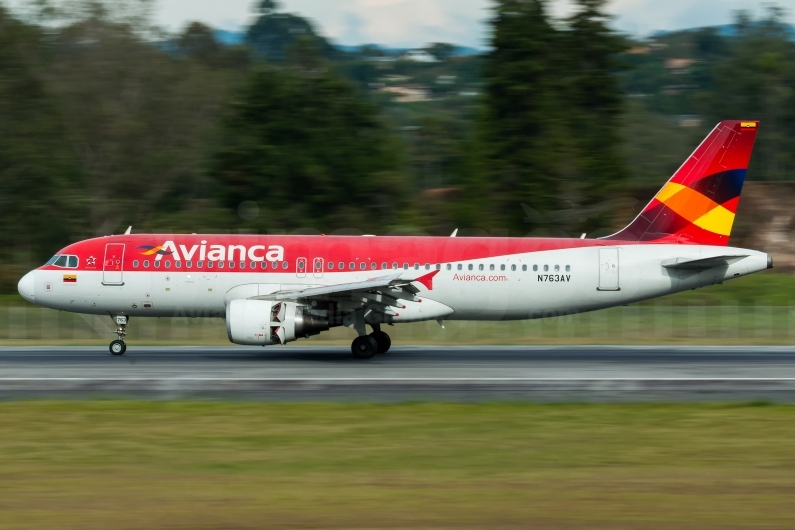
(521, 116)
(593, 104)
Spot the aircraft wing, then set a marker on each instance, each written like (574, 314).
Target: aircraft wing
(689, 264)
(390, 287)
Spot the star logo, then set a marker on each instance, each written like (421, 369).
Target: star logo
(91, 261)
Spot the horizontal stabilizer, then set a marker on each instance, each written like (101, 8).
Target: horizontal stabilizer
(688, 264)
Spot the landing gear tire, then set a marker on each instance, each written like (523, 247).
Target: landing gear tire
(118, 347)
(383, 341)
(364, 347)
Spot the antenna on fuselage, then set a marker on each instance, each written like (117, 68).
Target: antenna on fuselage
(455, 233)
(129, 231)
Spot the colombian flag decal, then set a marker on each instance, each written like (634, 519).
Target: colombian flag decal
(70, 278)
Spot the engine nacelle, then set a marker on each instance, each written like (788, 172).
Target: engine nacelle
(264, 323)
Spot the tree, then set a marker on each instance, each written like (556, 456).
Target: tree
(273, 34)
(199, 41)
(303, 143)
(522, 121)
(593, 102)
(441, 50)
(41, 204)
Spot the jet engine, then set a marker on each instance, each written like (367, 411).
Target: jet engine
(264, 323)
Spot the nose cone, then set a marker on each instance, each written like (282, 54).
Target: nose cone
(25, 287)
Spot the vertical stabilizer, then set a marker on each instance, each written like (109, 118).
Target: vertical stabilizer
(700, 201)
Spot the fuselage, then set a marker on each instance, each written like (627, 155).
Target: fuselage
(476, 278)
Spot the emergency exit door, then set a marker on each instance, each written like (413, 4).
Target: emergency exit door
(608, 269)
(113, 265)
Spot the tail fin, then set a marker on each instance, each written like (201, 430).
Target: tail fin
(698, 204)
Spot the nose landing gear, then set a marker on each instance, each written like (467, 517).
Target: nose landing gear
(118, 347)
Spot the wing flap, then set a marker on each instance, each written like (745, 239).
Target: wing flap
(312, 292)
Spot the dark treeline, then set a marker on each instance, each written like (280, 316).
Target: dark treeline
(106, 121)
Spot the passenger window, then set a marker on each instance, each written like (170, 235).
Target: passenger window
(263, 265)
(330, 265)
(513, 268)
(254, 264)
(460, 267)
(209, 264)
(178, 264)
(220, 264)
(146, 264)
(157, 264)
(363, 266)
(384, 266)
(188, 264)
(242, 264)
(231, 264)
(342, 266)
(405, 266)
(481, 267)
(72, 262)
(416, 266)
(438, 267)
(374, 265)
(352, 266)
(199, 264)
(524, 268)
(301, 265)
(274, 265)
(568, 268)
(470, 267)
(557, 268)
(395, 266)
(491, 267)
(546, 268)
(502, 267)
(449, 266)
(135, 264)
(535, 268)
(284, 265)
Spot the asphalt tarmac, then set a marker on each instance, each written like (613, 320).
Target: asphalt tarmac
(449, 373)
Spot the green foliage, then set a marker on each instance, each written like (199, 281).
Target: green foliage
(301, 142)
(273, 34)
(550, 125)
(41, 203)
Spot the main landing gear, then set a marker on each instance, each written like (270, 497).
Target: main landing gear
(367, 346)
(118, 347)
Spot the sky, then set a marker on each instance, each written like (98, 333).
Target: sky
(413, 23)
(410, 23)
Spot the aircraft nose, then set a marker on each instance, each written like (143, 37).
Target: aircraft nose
(25, 287)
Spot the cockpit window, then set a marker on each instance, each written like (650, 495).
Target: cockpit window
(67, 262)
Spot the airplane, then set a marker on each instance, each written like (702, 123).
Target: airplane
(275, 289)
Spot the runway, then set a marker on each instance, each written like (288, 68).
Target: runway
(450, 373)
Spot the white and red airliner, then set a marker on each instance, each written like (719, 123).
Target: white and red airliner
(276, 289)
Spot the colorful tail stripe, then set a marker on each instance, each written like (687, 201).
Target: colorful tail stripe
(700, 201)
